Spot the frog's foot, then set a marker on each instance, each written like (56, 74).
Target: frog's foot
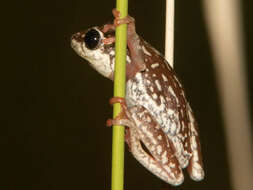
(118, 21)
(109, 40)
(130, 21)
(108, 27)
(120, 100)
(122, 118)
(119, 120)
(133, 43)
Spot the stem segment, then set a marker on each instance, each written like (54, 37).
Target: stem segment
(119, 91)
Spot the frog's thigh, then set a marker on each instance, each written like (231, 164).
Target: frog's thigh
(158, 155)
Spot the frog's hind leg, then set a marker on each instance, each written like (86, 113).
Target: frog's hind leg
(149, 145)
(152, 148)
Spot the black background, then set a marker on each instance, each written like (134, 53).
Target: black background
(54, 106)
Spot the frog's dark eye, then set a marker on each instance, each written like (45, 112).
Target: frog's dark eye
(92, 39)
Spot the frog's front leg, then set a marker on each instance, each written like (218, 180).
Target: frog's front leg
(133, 43)
(149, 145)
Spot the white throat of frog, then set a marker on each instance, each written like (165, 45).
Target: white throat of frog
(97, 58)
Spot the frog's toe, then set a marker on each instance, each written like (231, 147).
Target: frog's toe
(115, 13)
(195, 167)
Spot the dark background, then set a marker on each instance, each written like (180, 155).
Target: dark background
(54, 106)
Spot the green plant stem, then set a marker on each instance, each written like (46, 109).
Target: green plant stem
(119, 91)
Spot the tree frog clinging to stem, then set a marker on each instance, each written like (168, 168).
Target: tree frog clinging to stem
(161, 131)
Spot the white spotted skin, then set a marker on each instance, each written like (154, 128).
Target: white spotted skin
(144, 131)
(153, 66)
(158, 113)
(157, 90)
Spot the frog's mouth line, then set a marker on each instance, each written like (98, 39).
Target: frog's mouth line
(146, 149)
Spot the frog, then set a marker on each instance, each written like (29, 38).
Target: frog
(161, 130)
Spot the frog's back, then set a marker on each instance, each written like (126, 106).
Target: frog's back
(158, 90)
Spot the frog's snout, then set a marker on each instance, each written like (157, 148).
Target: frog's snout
(78, 36)
(76, 41)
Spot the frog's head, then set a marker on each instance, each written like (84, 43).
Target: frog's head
(90, 45)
